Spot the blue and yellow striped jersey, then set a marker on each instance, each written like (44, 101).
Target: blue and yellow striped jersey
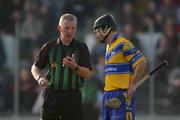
(120, 61)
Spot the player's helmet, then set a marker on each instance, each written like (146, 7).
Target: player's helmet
(105, 20)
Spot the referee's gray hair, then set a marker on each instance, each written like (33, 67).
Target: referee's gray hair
(68, 17)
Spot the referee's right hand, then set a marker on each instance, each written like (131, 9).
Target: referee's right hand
(43, 82)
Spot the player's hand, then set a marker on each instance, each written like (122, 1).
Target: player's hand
(43, 82)
(130, 93)
(113, 103)
(70, 61)
(131, 90)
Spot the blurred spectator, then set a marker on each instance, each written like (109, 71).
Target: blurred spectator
(90, 41)
(178, 19)
(147, 24)
(27, 90)
(117, 5)
(99, 72)
(166, 50)
(98, 51)
(45, 16)
(31, 30)
(77, 8)
(168, 8)
(174, 85)
(6, 21)
(2, 53)
(128, 15)
(177, 57)
(155, 17)
(151, 9)
(36, 108)
(129, 31)
(92, 90)
(174, 91)
(89, 92)
(30, 6)
(6, 90)
(50, 11)
(34, 53)
(158, 22)
(3, 88)
(168, 44)
(31, 27)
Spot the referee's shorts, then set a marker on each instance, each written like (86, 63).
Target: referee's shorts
(62, 105)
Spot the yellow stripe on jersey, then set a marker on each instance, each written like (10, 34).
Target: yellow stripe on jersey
(120, 62)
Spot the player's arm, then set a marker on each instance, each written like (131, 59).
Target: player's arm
(84, 67)
(139, 70)
(84, 72)
(35, 72)
(138, 62)
(38, 76)
(39, 65)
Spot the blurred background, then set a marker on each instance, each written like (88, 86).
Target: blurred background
(152, 25)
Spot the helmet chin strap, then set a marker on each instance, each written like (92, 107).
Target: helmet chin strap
(105, 34)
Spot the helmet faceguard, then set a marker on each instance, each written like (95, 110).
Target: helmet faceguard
(106, 21)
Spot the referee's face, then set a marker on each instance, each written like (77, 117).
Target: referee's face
(67, 30)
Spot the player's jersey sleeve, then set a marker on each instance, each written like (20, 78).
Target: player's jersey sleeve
(132, 54)
(42, 58)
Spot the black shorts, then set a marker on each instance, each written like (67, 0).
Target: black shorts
(62, 105)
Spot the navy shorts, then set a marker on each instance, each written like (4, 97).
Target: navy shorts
(124, 112)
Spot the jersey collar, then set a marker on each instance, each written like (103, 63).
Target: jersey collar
(59, 42)
(115, 37)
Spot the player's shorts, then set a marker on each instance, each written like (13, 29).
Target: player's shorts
(123, 112)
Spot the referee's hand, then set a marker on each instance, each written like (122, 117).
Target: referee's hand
(43, 82)
(70, 61)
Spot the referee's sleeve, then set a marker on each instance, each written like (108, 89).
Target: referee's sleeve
(84, 56)
(42, 58)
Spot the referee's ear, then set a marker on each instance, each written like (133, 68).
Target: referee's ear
(59, 28)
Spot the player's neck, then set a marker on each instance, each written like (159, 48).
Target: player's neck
(111, 36)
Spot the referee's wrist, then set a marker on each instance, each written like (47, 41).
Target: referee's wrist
(76, 68)
(39, 77)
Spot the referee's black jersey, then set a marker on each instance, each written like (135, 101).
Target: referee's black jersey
(62, 77)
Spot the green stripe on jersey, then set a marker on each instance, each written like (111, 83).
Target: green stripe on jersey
(65, 78)
(74, 76)
(51, 68)
(58, 66)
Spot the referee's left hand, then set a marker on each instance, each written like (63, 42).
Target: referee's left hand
(43, 82)
(70, 61)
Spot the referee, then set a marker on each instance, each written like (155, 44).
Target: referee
(68, 64)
